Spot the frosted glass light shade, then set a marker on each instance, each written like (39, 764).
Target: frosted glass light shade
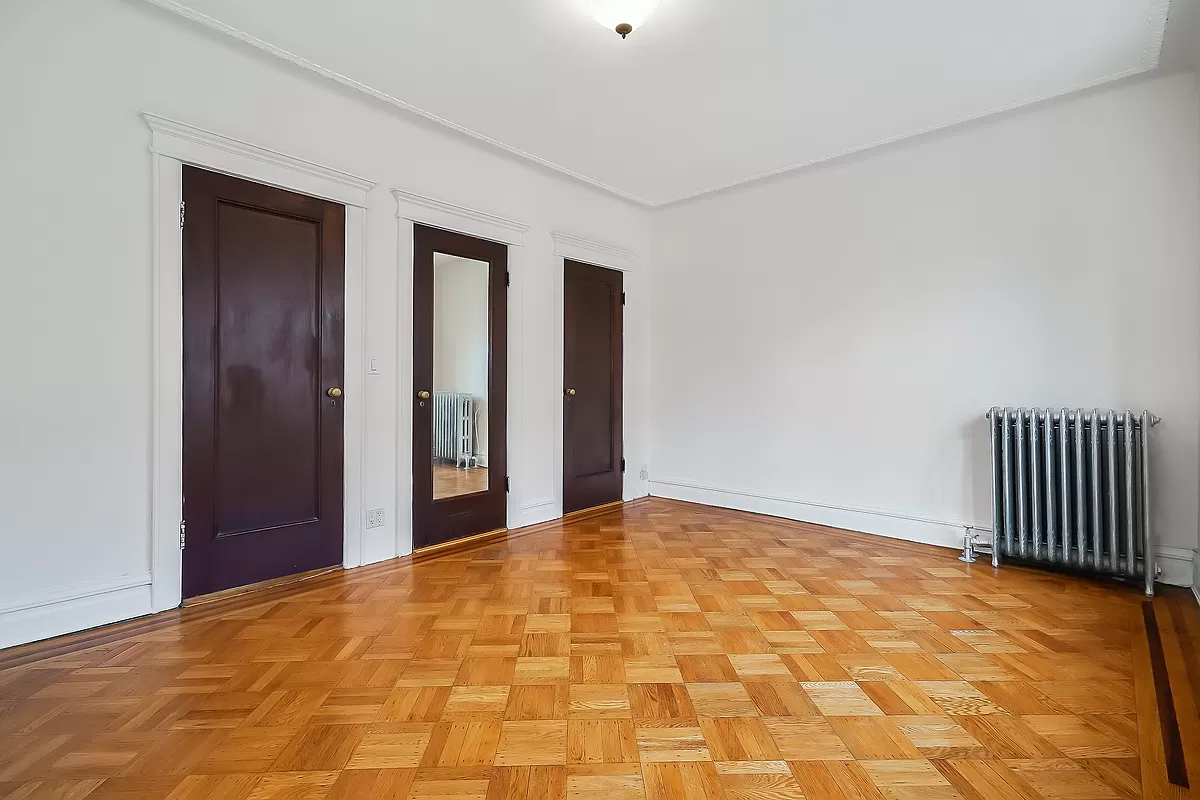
(614, 13)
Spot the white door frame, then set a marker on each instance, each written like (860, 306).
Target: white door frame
(411, 209)
(574, 248)
(173, 144)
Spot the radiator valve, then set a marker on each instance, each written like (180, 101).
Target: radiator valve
(968, 553)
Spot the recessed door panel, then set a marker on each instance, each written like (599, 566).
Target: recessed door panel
(268, 394)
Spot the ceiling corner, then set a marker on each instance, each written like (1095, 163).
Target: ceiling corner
(1156, 30)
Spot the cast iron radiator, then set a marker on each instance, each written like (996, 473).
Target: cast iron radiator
(453, 427)
(1070, 488)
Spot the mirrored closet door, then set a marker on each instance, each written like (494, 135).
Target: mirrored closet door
(459, 372)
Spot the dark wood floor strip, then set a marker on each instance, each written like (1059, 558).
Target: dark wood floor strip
(1189, 644)
(1169, 723)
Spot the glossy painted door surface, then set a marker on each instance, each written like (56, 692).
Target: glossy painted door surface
(592, 373)
(263, 282)
(460, 316)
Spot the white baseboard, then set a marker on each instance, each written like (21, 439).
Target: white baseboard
(1176, 562)
(41, 615)
(941, 533)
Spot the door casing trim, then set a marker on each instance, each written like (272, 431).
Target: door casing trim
(172, 145)
(573, 248)
(412, 209)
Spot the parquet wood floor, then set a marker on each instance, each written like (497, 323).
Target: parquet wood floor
(662, 650)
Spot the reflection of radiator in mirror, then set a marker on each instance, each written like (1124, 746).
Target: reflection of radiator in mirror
(453, 428)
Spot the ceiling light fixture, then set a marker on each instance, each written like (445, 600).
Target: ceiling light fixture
(623, 16)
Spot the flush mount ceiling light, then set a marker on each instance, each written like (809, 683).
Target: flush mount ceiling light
(623, 16)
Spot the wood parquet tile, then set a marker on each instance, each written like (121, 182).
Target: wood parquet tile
(659, 651)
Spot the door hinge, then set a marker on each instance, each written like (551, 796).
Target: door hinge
(622, 465)
(182, 534)
(508, 279)
(622, 298)
(182, 212)
(507, 485)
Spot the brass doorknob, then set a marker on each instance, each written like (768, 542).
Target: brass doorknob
(570, 392)
(423, 395)
(334, 392)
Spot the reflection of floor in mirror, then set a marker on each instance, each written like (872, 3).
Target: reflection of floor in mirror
(450, 481)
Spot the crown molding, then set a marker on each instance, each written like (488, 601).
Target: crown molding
(246, 38)
(1156, 28)
(1152, 51)
(1156, 32)
(186, 142)
(440, 214)
(1065, 96)
(585, 250)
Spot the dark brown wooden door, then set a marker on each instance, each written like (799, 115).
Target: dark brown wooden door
(452, 501)
(592, 353)
(263, 283)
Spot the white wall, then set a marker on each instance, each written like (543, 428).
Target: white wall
(1195, 64)
(826, 343)
(1195, 55)
(876, 295)
(75, 219)
(460, 335)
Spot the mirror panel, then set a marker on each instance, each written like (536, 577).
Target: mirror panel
(461, 355)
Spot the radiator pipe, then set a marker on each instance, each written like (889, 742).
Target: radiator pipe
(1035, 487)
(1078, 558)
(1006, 457)
(1022, 503)
(993, 418)
(1113, 563)
(1048, 447)
(1097, 513)
(1148, 547)
(1064, 463)
(1130, 505)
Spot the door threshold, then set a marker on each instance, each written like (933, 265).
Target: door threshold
(593, 511)
(454, 545)
(482, 539)
(273, 583)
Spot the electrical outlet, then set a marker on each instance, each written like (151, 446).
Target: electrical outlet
(644, 474)
(375, 518)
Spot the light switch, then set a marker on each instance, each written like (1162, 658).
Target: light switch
(373, 365)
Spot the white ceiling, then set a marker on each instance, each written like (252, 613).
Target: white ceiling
(710, 93)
